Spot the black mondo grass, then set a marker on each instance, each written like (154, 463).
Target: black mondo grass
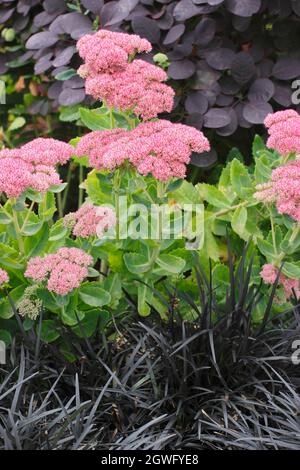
(219, 382)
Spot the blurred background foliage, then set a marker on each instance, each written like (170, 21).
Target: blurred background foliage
(230, 61)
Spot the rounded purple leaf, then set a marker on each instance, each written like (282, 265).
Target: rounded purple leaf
(181, 69)
(205, 31)
(243, 7)
(286, 69)
(41, 40)
(196, 102)
(261, 90)
(146, 28)
(174, 34)
(220, 59)
(243, 68)
(216, 118)
(69, 96)
(255, 113)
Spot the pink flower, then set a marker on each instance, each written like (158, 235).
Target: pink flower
(104, 40)
(63, 270)
(110, 76)
(159, 147)
(46, 151)
(284, 189)
(32, 166)
(291, 287)
(137, 87)
(3, 277)
(284, 131)
(90, 220)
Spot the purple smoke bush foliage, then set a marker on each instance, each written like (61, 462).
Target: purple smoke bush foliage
(232, 61)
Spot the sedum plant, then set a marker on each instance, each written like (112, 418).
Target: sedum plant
(74, 269)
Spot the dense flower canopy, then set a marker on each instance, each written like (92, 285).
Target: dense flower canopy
(123, 84)
(159, 147)
(63, 270)
(90, 220)
(32, 166)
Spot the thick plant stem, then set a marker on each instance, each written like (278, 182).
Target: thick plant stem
(27, 215)
(80, 195)
(18, 233)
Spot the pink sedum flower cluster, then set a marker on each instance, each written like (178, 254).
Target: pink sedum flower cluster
(3, 277)
(291, 287)
(63, 270)
(110, 76)
(161, 148)
(284, 131)
(284, 189)
(32, 166)
(90, 220)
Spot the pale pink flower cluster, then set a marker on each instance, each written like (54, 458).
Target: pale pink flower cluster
(110, 76)
(32, 166)
(284, 131)
(90, 220)
(3, 277)
(161, 148)
(284, 189)
(63, 270)
(291, 287)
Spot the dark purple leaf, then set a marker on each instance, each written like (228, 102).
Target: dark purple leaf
(205, 159)
(261, 91)
(195, 120)
(231, 127)
(64, 56)
(216, 118)
(224, 100)
(122, 10)
(239, 109)
(146, 28)
(296, 7)
(186, 9)
(43, 19)
(39, 107)
(241, 23)
(229, 86)
(180, 51)
(283, 95)
(5, 14)
(196, 102)
(69, 96)
(20, 23)
(174, 34)
(107, 12)
(243, 7)
(43, 64)
(165, 22)
(286, 69)
(220, 59)
(181, 69)
(41, 40)
(265, 68)
(74, 82)
(52, 6)
(205, 31)
(55, 90)
(74, 21)
(255, 113)
(242, 68)
(93, 5)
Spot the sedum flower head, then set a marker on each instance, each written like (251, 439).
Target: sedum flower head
(123, 84)
(30, 305)
(284, 131)
(32, 166)
(90, 220)
(284, 189)
(3, 277)
(161, 148)
(63, 271)
(291, 287)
